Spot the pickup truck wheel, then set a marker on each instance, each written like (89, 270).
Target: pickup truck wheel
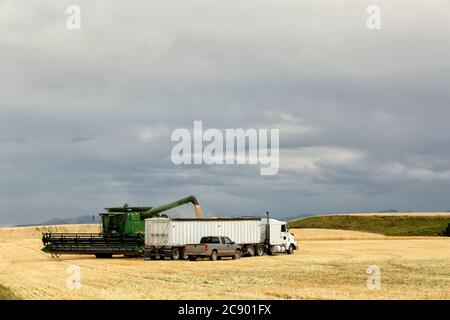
(175, 254)
(214, 255)
(259, 250)
(237, 254)
(192, 258)
(290, 250)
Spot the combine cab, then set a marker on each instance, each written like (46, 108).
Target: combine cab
(122, 232)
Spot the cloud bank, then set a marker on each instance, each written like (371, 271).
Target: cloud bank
(86, 116)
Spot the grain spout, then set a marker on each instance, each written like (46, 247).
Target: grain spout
(198, 211)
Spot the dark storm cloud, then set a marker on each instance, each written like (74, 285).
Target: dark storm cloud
(86, 116)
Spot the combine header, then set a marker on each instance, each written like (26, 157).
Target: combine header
(122, 232)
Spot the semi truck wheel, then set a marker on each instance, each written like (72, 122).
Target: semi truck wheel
(237, 254)
(259, 250)
(214, 255)
(183, 255)
(175, 254)
(290, 250)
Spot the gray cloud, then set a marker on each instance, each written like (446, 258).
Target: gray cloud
(86, 116)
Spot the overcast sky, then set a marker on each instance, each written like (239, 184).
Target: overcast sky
(86, 115)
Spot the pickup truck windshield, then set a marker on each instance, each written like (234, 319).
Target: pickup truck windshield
(227, 240)
(210, 240)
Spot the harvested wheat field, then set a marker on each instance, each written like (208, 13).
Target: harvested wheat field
(331, 264)
(309, 234)
(7, 234)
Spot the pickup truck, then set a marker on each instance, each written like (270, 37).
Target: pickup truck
(213, 247)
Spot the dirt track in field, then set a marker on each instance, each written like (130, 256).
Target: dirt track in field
(331, 264)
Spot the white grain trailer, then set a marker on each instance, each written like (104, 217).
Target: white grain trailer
(166, 237)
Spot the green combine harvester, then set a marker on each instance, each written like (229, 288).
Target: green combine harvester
(122, 232)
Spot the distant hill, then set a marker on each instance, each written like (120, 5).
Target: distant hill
(291, 218)
(394, 211)
(395, 224)
(303, 215)
(88, 219)
(389, 211)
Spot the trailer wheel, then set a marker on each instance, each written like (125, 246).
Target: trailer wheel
(214, 255)
(290, 250)
(175, 254)
(237, 254)
(259, 250)
(192, 258)
(183, 255)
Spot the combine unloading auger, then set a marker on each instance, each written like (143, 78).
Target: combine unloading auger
(122, 232)
(191, 199)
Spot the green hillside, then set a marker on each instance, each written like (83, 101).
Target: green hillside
(388, 225)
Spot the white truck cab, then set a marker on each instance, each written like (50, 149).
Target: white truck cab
(275, 234)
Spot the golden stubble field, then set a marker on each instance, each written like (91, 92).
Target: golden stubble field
(331, 264)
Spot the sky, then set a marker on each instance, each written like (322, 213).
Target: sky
(86, 115)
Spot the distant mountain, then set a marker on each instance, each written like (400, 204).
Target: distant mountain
(88, 219)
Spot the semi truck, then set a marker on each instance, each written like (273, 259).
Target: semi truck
(167, 237)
